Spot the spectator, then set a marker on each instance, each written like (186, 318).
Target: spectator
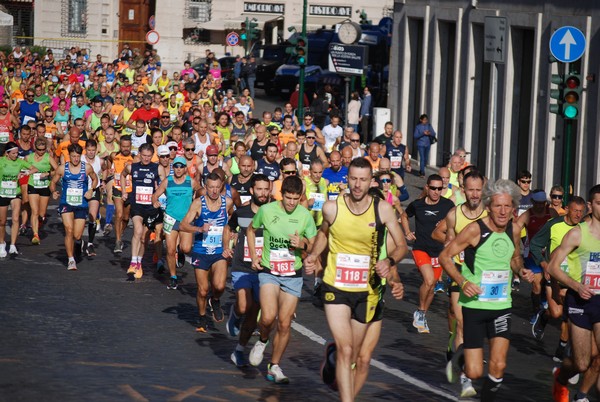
(365, 115)
(424, 135)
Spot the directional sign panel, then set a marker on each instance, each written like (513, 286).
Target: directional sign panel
(347, 59)
(567, 44)
(494, 29)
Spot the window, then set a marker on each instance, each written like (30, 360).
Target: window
(74, 18)
(199, 10)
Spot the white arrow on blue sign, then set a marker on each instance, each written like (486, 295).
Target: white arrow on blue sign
(567, 44)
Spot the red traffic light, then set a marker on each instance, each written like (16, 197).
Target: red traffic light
(572, 82)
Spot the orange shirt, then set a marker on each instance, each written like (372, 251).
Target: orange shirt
(119, 163)
(285, 138)
(62, 149)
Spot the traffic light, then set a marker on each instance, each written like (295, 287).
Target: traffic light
(364, 19)
(557, 93)
(252, 29)
(302, 50)
(244, 34)
(571, 96)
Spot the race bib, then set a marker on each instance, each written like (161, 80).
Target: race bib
(245, 198)
(305, 169)
(27, 119)
(592, 276)
(396, 162)
(163, 201)
(38, 182)
(173, 117)
(8, 189)
(435, 262)
(494, 285)
(258, 246)
(117, 180)
(63, 125)
(564, 266)
(168, 223)
(49, 135)
(75, 196)
(319, 201)
(214, 237)
(143, 195)
(352, 271)
(282, 262)
(4, 137)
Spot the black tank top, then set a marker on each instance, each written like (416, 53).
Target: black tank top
(306, 158)
(257, 151)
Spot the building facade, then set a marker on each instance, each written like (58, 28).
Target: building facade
(498, 112)
(186, 28)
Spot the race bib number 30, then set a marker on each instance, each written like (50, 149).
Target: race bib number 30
(494, 285)
(282, 262)
(258, 246)
(352, 271)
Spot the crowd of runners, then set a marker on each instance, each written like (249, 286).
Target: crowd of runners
(269, 198)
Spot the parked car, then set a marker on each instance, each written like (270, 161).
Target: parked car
(315, 77)
(273, 56)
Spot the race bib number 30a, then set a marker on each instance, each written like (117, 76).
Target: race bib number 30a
(592, 276)
(258, 246)
(143, 195)
(352, 271)
(494, 285)
(282, 262)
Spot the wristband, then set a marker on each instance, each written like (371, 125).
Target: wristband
(463, 284)
(392, 261)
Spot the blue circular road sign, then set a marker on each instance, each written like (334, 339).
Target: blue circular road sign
(567, 44)
(232, 39)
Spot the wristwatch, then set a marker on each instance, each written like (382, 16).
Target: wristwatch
(392, 261)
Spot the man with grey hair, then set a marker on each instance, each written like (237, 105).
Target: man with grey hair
(491, 246)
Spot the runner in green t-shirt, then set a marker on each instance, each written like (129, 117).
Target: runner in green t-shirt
(11, 170)
(288, 229)
(491, 247)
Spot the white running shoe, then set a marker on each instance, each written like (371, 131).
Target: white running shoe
(257, 353)
(3, 252)
(275, 374)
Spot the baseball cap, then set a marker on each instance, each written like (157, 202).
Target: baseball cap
(172, 144)
(163, 150)
(539, 196)
(180, 159)
(212, 150)
(3, 104)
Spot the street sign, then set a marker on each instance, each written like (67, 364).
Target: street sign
(494, 29)
(232, 39)
(347, 59)
(152, 37)
(152, 22)
(567, 44)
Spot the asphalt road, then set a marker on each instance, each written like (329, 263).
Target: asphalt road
(93, 335)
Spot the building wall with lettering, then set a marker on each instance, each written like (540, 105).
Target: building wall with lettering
(438, 67)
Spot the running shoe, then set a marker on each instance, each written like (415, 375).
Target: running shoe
(233, 322)
(22, 230)
(584, 399)
(3, 252)
(275, 374)
(439, 287)
(160, 267)
(466, 387)
(91, 250)
(139, 272)
(131, 269)
(539, 326)
(35, 240)
(257, 353)
(217, 311)
(72, 266)
(574, 380)
(239, 359)
(453, 367)
(560, 393)
(12, 251)
(516, 283)
(559, 353)
(107, 229)
(424, 329)
(118, 247)
(328, 366)
(417, 319)
(202, 324)
(172, 283)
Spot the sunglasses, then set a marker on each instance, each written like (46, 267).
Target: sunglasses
(436, 188)
(525, 181)
(275, 134)
(163, 156)
(190, 149)
(212, 155)
(178, 166)
(354, 140)
(385, 181)
(165, 117)
(147, 103)
(289, 172)
(43, 149)
(556, 196)
(172, 148)
(311, 138)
